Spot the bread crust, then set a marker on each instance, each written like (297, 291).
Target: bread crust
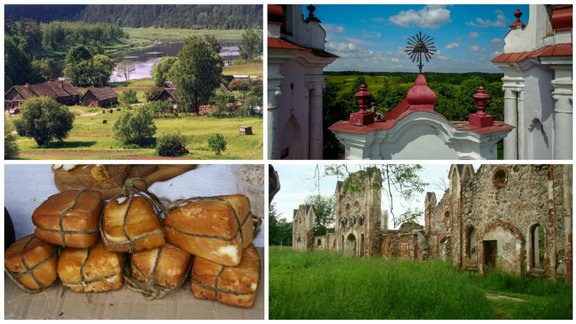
(234, 286)
(142, 226)
(32, 263)
(165, 266)
(91, 270)
(215, 228)
(77, 227)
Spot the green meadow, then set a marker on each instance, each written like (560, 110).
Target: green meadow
(323, 285)
(91, 138)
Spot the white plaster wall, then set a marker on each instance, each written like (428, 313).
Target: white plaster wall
(538, 103)
(416, 142)
(294, 101)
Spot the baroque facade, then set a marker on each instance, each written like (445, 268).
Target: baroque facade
(296, 62)
(517, 218)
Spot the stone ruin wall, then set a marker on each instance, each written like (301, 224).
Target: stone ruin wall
(500, 203)
(302, 229)
(439, 228)
(507, 213)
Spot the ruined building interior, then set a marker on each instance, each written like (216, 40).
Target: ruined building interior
(517, 218)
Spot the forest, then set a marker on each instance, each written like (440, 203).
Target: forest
(454, 93)
(157, 16)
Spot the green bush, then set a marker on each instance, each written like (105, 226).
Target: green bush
(11, 150)
(44, 120)
(135, 127)
(217, 143)
(128, 97)
(171, 145)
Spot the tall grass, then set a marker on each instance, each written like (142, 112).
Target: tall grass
(322, 285)
(327, 286)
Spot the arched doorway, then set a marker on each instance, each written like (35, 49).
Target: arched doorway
(350, 245)
(299, 244)
(361, 245)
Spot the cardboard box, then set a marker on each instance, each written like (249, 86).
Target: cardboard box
(58, 302)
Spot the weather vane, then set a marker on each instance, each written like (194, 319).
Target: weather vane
(420, 45)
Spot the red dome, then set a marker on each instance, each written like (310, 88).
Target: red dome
(420, 97)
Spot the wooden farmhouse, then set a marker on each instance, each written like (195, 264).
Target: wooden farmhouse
(61, 91)
(169, 94)
(100, 97)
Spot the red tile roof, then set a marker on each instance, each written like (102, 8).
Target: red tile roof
(546, 51)
(562, 18)
(283, 44)
(275, 14)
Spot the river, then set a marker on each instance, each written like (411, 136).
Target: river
(143, 59)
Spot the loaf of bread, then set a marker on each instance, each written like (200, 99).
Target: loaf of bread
(69, 218)
(90, 270)
(131, 226)
(234, 286)
(109, 179)
(166, 266)
(31, 263)
(216, 228)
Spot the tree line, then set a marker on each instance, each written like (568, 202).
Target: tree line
(159, 16)
(454, 93)
(27, 42)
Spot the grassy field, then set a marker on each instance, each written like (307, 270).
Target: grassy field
(92, 139)
(179, 33)
(322, 285)
(251, 68)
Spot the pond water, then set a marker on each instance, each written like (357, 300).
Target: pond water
(143, 59)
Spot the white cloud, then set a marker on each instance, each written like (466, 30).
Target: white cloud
(475, 48)
(342, 49)
(367, 34)
(496, 41)
(330, 28)
(500, 21)
(427, 17)
(452, 45)
(395, 60)
(473, 35)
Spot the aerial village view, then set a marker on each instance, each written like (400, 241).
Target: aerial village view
(133, 82)
(420, 240)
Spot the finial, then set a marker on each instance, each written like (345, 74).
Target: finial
(311, 17)
(362, 117)
(517, 23)
(481, 118)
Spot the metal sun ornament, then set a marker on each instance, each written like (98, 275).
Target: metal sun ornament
(420, 45)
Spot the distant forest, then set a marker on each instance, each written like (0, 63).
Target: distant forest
(159, 16)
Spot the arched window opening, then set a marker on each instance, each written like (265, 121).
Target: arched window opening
(471, 243)
(499, 179)
(537, 242)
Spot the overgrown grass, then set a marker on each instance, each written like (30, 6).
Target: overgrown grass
(92, 139)
(321, 285)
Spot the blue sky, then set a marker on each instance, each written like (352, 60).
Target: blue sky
(373, 37)
(297, 183)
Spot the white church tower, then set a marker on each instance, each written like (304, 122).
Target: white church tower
(537, 66)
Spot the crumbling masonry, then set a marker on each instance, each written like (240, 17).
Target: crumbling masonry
(517, 218)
